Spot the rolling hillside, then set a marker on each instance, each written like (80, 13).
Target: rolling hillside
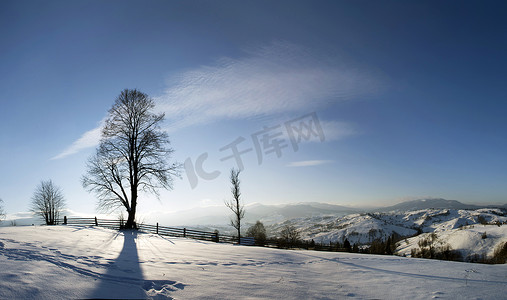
(460, 229)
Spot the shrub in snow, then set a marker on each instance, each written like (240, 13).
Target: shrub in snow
(258, 232)
(482, 220)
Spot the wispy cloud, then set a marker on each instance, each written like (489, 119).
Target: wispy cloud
(309, 163)
(335, 130)
(279, 78)
(89, 139)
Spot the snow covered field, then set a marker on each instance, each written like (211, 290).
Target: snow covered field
(62, 262)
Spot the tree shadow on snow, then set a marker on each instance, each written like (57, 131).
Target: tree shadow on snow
(124, 278)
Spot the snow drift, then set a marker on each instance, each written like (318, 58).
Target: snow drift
(62, 262)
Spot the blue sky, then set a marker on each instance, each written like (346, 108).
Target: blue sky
(410, 96)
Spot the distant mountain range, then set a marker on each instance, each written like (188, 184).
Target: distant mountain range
(271, 214)
(435, 203)
(274, 213)
(297, 210)
(218, 216)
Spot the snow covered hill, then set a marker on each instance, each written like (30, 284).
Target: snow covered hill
(448, 224)
(66, 262)
(213, 216)
(473, 243)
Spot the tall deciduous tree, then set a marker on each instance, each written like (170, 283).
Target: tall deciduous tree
(48, 202)
(133, 156)
(235, 203)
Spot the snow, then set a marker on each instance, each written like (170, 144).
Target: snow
(366, 227)
(62, 262)
(467, 240)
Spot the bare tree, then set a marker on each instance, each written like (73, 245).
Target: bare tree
(290, 235)
(48, 202)
(133, 156)
(235, 203)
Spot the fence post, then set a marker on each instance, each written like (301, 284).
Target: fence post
(64, 220)
(157, 227)
(184, 232)
(96, 222)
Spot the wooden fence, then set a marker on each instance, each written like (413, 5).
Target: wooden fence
(156, 229)
(196, 234)
(180, 232)
(112, 224)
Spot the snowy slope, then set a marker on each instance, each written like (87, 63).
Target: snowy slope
(469, 240)
(366, 227)
(63, 262)
(357, 228)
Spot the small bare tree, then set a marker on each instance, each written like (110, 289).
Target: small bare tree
(2, 212)
(235, 203)
(48, 202)
(133, 156)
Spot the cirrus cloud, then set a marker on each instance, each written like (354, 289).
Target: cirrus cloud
(279, 78)
(309, 163)
(89, 139)
(275, 79)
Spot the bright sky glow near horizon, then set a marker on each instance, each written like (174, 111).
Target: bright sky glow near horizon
(411, 96)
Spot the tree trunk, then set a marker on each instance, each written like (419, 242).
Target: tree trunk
(131, 224)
